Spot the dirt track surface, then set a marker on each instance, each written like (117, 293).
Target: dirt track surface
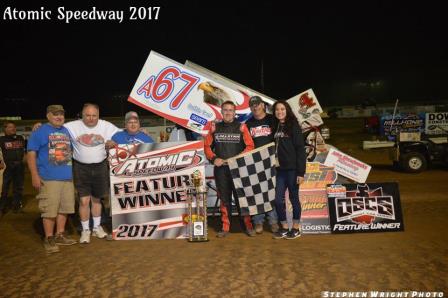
(416, 259)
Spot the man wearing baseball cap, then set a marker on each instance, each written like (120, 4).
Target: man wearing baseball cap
(261, 131)
(132, 133)
(50, 163)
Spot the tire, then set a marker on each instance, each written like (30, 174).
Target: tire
(413, 162)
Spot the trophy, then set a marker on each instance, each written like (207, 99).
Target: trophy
(197, 209)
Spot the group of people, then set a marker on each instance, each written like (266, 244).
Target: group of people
(64, 158)
(230, 138)
(68, 158)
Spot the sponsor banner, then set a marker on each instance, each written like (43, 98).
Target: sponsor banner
(363, 208)
(315, 218)
(318, 176)
(184, 96)
(307, 109)
(436, 123)
(347, 166)
(401, 123)
(313, 199)
(148, 185)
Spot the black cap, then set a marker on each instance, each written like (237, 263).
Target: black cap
(255, 100)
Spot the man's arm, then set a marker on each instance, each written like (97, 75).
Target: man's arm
(247, 138)
(32, 165)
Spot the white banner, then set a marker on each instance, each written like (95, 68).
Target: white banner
(347, 166)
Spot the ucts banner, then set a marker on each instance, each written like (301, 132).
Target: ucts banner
(183, 95)
(148, 185)
(362, 208)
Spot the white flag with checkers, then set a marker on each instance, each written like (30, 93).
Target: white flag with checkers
(253, 175)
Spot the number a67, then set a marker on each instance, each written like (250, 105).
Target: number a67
(160, 88)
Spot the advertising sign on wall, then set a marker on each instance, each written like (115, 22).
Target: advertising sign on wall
(436, 123)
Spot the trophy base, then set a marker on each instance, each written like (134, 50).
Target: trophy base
(198, 240)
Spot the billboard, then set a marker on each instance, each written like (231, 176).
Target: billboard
(364, 208)
(436, 123)
(148, 186)
(401, 123)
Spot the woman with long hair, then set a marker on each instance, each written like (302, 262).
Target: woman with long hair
(290, 153)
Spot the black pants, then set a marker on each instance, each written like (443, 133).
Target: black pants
(14, 173)
(226, 188)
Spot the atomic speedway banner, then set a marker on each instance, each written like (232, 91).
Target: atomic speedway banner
(363, 208)
(148, 185)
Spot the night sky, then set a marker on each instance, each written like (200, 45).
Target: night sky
(348, 52)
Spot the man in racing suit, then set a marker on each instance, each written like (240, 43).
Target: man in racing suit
(227, 139)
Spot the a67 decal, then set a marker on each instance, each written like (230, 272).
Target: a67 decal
(170, 84)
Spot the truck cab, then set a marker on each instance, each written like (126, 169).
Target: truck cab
(414, 152)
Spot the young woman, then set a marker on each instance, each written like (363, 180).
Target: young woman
(290, 152)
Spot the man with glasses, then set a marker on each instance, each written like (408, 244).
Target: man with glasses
(132, 133)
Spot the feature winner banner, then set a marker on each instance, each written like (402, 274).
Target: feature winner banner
(182, 95)
(347, 166)
(148, 184)
(363, 208)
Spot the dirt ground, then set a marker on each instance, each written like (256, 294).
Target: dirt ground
(239, 266)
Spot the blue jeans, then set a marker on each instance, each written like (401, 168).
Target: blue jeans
(271, 215)
(287, 179)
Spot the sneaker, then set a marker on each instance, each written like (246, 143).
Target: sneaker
(50, 245)
(274, 228)
(222, 234)
(293, 234)
(251, 233)
(99, 232)
(85, 236)
(259, 228)
(61, 239)
(281, 233)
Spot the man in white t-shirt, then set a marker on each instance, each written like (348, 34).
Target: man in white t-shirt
(90, 139)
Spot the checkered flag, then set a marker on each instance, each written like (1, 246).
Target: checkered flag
(253, 175)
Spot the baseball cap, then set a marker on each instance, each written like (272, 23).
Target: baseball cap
(255, 100)
(55, 108)
(130, 115)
